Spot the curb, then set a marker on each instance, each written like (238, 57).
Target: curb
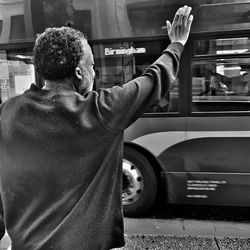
(180, 227)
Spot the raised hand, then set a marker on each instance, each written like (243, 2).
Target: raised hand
(179, 30)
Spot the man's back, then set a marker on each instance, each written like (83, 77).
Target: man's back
(60, 172)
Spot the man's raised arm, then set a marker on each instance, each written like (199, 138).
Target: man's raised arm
(121, 106)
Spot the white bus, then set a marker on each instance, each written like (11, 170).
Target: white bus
(193, 146)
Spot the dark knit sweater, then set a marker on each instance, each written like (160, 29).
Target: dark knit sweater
(61, 160)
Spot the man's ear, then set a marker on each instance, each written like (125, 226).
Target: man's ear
(78, 73)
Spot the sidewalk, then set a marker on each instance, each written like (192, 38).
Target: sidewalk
(183, 234)
(180, 227)
(163, 242)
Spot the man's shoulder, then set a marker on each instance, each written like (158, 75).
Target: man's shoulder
(16, 98)
(11, 100)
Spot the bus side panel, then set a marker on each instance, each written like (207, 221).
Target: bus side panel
(208, 188)
(211, 154)
(208, 171)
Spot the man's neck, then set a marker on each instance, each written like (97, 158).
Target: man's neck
(64, 83)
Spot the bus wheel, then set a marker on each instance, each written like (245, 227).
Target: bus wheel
(139, 184)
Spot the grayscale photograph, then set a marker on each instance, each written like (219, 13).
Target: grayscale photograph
(124, 124)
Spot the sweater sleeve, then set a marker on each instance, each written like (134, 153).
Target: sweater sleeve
(120, 106)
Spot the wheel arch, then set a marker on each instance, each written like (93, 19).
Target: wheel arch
(155, 165)
(150, 157)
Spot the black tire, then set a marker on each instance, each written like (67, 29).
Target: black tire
(139, 184)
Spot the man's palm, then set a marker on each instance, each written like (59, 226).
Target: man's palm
(179, 30)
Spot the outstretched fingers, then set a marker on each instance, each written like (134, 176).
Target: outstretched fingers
(178, 15)
(182, 16)
(186, 15)
(179, 30)
(190, 20)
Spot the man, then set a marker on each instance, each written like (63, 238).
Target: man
(61, 146)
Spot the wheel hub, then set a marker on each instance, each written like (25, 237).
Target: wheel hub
(132, 183)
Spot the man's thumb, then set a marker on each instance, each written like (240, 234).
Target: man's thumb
(168, 26)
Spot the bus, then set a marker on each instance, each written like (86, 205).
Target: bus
(192, 147)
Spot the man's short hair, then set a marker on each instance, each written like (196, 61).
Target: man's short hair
(57, 52)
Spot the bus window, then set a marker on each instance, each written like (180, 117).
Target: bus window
(222, 15)
(225, 46)
(221, 85)
(17, 30)
(170, 102)
(16, 73)
(118, 63)
(221, 75)
(114, 64)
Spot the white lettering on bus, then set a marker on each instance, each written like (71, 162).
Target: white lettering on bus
(196, 196)
(201, 188)
(207, 181)
(123, 51)
(204, 185)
